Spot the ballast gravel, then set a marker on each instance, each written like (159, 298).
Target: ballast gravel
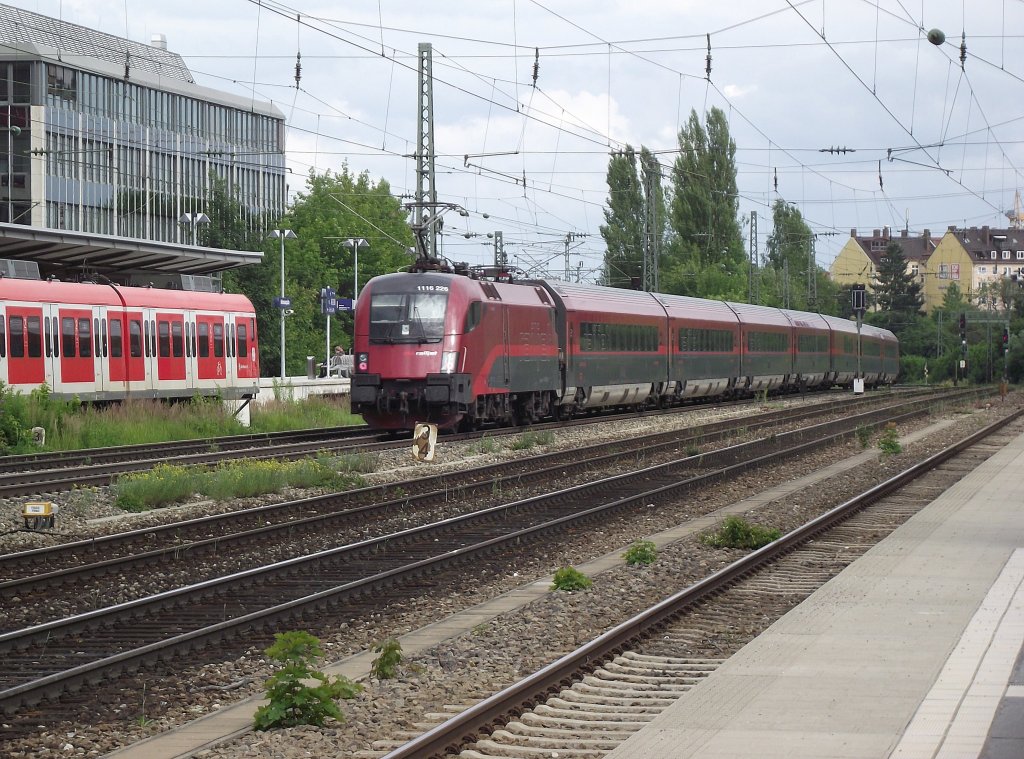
(492, 656)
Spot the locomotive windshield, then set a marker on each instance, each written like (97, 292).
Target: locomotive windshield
(407, 317)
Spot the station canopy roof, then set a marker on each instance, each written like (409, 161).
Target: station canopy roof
(67, 255)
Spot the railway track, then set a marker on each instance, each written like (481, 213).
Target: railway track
(590, 700)
(45, 474)
(46, 660)
(220, 541)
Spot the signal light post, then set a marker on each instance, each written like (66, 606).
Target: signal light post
(859, 297)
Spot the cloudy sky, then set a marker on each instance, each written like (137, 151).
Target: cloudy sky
(840, 107)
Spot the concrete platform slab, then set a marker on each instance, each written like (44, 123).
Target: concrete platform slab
(909, 652)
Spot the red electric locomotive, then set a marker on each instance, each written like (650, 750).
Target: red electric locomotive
(102, 342)
(449, 349)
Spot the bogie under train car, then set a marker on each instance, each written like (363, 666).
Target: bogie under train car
(105, 342)
(461, 352)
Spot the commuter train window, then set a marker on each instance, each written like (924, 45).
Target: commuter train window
(84, 338)
(135, 338)
(152, 337)
(204, 340)
(231, 339)
(177, 340)
(3, 337)
(35, 337)
(116, 337)
(47, 328)
(243, 341)
(164, 339)
(473, 316)
(54, 335)
(17, 337)
(67, 336)
(218, 340)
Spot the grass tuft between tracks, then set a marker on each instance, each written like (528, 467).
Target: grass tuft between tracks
(170, 483)
(737, 532)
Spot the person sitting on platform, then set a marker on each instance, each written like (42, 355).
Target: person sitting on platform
(341, 364)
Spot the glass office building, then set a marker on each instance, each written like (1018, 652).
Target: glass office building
(104, 135)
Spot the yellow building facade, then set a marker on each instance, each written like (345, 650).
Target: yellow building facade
(950, 264)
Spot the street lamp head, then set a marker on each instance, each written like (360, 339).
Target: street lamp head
(193, 218)
(353, 242)
(284, 234)
(15, 130)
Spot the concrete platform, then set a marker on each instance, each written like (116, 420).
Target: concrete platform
(912, 652)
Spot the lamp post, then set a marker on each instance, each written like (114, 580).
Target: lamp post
(194, 220)
(282, 234)
(354, 243)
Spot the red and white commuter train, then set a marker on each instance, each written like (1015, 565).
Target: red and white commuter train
(103, 342)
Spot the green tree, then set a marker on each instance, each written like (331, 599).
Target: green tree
(624, 221)
(334, 207)
(705, 255)
(897, 292)
(635, 216)
(789, 248)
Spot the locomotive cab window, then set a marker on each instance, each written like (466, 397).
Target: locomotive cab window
(416, 317)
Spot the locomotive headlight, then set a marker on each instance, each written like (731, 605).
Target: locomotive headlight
(448, 361)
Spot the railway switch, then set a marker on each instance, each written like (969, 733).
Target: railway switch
(39, 515)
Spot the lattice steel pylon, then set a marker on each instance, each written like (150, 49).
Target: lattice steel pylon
(754, 279)
(500, 259)
(651, 236)
(426, 191)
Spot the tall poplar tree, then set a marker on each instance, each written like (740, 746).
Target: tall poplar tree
(624, 216)
(705, 256)
(635, 216)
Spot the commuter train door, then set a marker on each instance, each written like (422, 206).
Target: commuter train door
(170, 351)
(126, 362)
(25, 362)
(211, 363)
(78, 363)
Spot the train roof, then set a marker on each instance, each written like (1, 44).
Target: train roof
(685, 307)
(577, 296)
(761, 315)
(95, 294)
(806, 319)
